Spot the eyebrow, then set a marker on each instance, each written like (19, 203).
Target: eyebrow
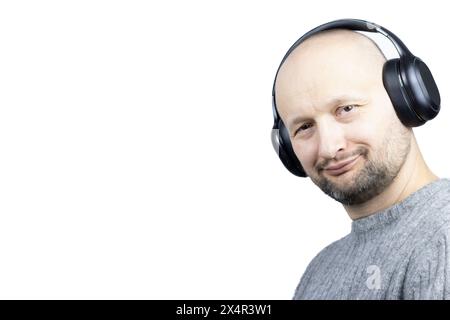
(331, 102)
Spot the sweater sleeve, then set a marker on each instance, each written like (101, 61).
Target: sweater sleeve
(428, 274)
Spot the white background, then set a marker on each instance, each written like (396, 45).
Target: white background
(135, 155)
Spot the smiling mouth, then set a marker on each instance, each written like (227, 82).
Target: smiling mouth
(341, 169)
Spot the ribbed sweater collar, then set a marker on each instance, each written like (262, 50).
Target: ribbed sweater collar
(399, 210)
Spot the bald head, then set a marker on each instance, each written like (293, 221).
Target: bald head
(331, 62)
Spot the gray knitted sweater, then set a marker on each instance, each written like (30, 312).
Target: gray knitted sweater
(402, 252)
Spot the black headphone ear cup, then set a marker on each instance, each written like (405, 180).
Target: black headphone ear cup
(282, 142)
(420, 85)
(399, 97)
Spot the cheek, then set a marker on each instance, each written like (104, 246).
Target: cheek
(370, 134)
(306, 153)
(363, 132)
(374, 126)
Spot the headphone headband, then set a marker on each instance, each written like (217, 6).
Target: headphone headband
(350, 24)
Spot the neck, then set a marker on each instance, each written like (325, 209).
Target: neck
(413, 175)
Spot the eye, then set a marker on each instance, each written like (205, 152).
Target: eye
(303, 127)
(346, 109)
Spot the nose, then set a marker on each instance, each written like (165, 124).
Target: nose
(331, 139)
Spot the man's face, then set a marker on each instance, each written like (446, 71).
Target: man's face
(342, 124)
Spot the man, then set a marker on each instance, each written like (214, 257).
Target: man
(350, 142)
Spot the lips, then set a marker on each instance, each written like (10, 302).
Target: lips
(341, 167)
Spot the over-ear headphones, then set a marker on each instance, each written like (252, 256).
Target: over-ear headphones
(407, 80)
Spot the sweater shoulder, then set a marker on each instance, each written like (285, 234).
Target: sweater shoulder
(320, 260)
(428, 271)
(431, 215)
(435, 219)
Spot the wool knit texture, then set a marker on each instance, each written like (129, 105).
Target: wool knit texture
(401, 252)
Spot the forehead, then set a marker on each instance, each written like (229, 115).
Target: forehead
(338, 63)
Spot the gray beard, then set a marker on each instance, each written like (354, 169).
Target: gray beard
(373, 178)
(370, 182)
